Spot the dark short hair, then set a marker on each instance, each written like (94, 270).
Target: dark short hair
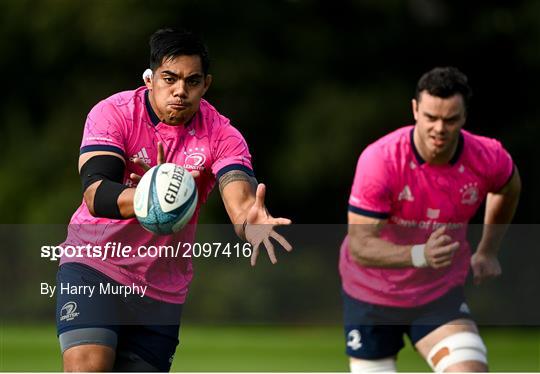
(169, 43)
(444, 82)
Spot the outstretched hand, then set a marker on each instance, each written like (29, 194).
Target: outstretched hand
(260, 225)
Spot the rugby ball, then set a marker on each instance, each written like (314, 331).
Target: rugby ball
(165, 199)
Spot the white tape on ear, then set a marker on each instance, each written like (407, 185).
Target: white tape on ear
(418, 256)
(147, 75)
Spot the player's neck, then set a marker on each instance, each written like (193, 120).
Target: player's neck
(431, 158)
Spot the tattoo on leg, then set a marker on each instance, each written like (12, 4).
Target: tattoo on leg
(236, 175)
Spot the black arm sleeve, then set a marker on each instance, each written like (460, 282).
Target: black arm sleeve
(110, 170)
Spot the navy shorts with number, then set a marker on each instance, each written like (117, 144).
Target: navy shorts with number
(144, 326)
(375, 331)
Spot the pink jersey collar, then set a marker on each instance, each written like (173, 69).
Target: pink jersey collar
(153, 116)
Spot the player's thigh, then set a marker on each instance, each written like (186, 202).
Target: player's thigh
(445, 335)
(424, 345)
(79, 302)
(146, 347)
(372, 332)
(434, 321)
(86, 335)
(456, 342)
(149, 344)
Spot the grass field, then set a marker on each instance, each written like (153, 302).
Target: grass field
(258, 348)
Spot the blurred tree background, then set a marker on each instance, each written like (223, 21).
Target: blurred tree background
(308, 83)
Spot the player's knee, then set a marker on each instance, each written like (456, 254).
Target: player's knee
(386, 365)
(460, 348)
(88, 358)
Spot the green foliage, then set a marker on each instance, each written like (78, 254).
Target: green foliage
(308, 85)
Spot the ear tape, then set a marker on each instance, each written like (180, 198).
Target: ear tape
(147, 75)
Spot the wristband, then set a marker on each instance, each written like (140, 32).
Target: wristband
(418, 256)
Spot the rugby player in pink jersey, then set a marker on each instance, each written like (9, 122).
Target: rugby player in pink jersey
(405, 259)
(164, 121)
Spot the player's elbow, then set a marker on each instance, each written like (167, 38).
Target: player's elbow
(88, 197)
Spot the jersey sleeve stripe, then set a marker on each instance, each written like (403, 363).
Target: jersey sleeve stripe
(368, 213)
(240, 167)
(101, 147)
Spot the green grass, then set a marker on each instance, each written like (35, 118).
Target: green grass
(263, 348)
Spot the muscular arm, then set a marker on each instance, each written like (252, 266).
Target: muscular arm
(125, 199)
(237, 190)
(368, 249)
(500, 209)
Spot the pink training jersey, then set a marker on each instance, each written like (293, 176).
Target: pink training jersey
(126, 124)
(393, 182)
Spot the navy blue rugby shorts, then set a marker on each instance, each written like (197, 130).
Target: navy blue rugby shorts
(376, 331)
(130, 324)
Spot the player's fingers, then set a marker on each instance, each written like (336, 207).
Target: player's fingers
(453, 246)
(259, 196)
(281, 240)
(254, 255)
(435, 234)
(141, 163)
(270, 249)
(442, 240)
(478, 275)
(492, 273)
(195, 174)
(281, 221)
(135, 178)
(160, 154)
(442, 256)
(446, 250)
(444, 264)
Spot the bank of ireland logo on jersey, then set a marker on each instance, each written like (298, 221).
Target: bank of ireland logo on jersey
(68, 311)
(354, 340)
(469, 193)
(195, 159)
